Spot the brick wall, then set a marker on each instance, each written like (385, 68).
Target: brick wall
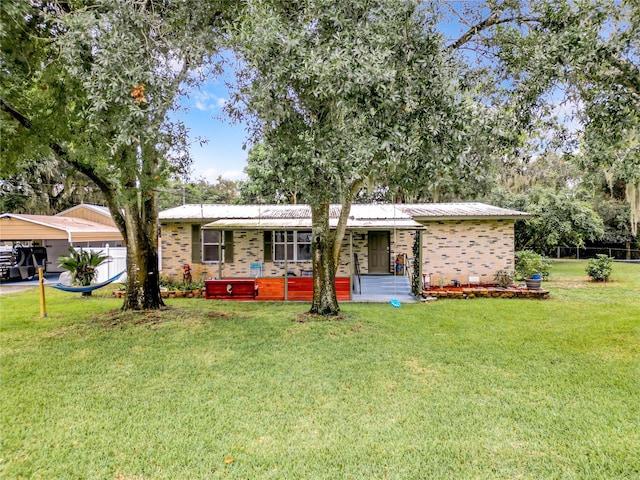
(175, 250)
(463, 248)
(451, 249)
(247, 247)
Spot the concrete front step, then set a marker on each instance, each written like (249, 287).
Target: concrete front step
(382, 288)
(364, 298)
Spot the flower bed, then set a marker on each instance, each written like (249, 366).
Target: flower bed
(486, 292)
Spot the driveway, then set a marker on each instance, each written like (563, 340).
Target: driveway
(21, 286)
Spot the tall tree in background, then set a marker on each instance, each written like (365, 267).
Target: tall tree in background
(265, 165)
(93, 82)
(558, 55)
(180, 192)
(343, 94)
(44, 187)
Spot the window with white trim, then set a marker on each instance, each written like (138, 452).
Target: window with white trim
(296, 244)
(212, 243)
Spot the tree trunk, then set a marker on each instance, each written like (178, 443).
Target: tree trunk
(326, 252)
(325, 301)
(143, 282)
(140, 222)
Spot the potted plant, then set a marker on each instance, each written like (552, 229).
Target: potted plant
(532, 268)
(83, 266)
(120, 291)
(167, 287)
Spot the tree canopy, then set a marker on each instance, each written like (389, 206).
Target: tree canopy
(343, 94)
(91, 83)
(580, 58)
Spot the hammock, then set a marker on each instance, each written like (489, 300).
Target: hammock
(88, 288)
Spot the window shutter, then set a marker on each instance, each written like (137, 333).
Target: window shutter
(268, 247)
(228, 246)
(196, 244)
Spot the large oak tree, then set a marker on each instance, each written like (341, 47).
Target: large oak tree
(91, 83)
(344, 94)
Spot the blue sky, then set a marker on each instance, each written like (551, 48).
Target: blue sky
(222, 153)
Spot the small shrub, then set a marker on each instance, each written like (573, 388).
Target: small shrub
(503, 278)
(599, 268)
(169, 282)
(529, 262)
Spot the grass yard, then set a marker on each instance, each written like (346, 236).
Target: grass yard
(481, 389)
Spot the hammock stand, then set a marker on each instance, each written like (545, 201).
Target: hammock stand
(88, 288)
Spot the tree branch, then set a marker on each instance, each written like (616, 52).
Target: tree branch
(629, 74)
(106, 188)
(490, 21)
(341, 227)
(21, 119)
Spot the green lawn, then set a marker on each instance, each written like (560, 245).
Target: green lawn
(482, 389)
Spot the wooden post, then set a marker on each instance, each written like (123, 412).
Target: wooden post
(220, 253)
(286, 268)
(43, 306)
(352, 271)
(420, 256)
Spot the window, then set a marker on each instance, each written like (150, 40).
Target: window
(212, 241)
(216, 243)
(296, 245)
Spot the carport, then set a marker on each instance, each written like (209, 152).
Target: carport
(56, 233)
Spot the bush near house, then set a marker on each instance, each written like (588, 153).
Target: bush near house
(529, 262)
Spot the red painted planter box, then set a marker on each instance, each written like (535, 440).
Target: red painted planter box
(230, 289)
(299, 289)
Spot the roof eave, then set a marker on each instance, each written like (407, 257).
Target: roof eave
(432, 218)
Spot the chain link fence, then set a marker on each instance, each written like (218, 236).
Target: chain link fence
(620, 254)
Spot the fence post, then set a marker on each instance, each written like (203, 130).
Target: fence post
(43, 303)
(108, 262)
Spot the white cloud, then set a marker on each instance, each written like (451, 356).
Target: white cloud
(234, 175)
(212, 174)
(207, 101)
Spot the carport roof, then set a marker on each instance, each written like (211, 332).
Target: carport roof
(35, 227)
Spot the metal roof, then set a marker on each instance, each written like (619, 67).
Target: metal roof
(27, 227)
(459, 211)
(387, 214)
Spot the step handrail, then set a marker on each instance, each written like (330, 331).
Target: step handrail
(408, 266)
(356, 264)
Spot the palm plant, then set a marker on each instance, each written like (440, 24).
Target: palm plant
(82, 265)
